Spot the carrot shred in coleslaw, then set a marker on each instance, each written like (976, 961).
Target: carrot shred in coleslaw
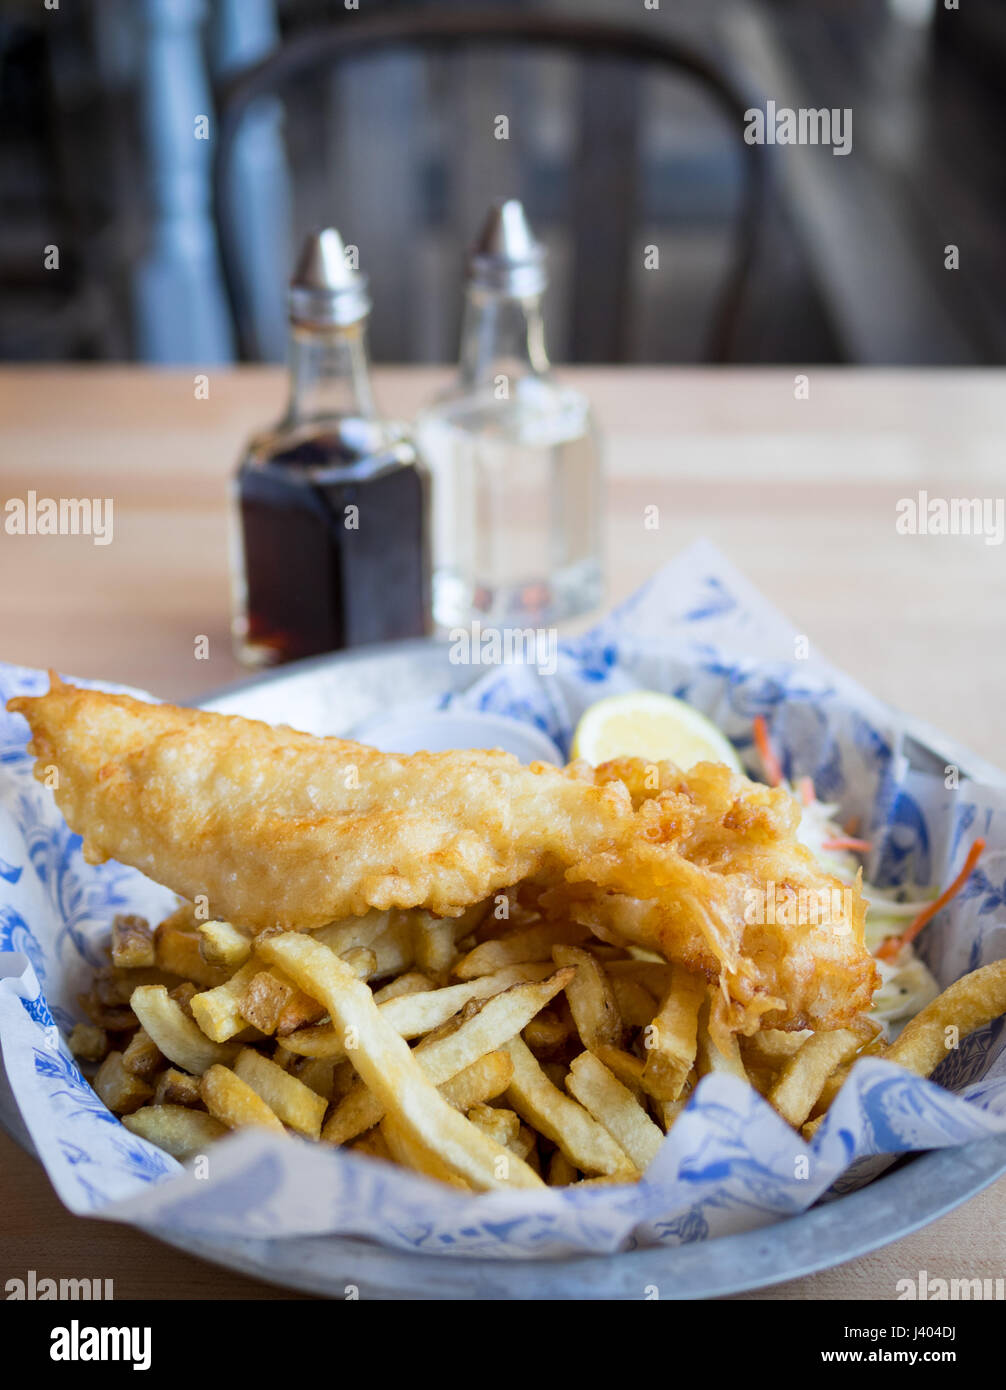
(889, 948)
(771, 764)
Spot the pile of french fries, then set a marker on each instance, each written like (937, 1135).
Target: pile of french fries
(491, 1051)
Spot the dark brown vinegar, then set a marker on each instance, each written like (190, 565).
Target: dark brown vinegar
(334, 549)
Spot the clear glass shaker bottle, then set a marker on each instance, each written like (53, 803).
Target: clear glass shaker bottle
(513, 454)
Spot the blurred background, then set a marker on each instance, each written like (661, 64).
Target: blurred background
(767, 254)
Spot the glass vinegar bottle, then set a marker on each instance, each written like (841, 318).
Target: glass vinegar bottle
(331, 505)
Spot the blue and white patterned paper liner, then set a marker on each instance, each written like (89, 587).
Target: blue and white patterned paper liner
(697, 630)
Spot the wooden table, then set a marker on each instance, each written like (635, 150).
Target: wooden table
(800, 493)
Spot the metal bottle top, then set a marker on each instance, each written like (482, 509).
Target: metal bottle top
(325, 290)
(506, 257)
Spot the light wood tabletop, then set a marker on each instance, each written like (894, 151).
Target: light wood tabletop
(799, 488)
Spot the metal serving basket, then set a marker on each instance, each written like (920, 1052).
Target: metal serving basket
(330, 695)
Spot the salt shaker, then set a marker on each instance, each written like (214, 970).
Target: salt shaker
(514, 456)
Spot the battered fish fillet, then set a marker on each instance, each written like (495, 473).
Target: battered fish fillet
(278, 827)
(715, 879)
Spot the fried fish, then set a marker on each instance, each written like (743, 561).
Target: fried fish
(715, 879)
(275, 827)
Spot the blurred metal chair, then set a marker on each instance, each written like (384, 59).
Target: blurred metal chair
(604, 196)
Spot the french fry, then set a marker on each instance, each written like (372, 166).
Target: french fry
(560, 1171)
(762, 1078)
(615, 1107)
(720, 1054)
(275, 1002)
(268, 998)
(503, 912)
(470, 919)
(516, 948)
(286, 1061)
(88, 1042)
(963, 1008)
(486, 986)
(113, 986)
(265, 997)
(502, 1016)
(318, 1073)
(218, 1011)
(772, 1047)
(220, 943)
(483, 1080)
(179, 1131)
(417, 1013)
(766, 1052)
(498, 1122)
(666, 1112)
(355, 931)
(364, 961)
(183, 996)
(393, 1073)
(174, 1087)
(410, 1152)
(586, 1144)
(412, 982)
(182, 919)
(142, 1056)
(110, 1018)
(635, 1003)
(809, 1129)
(373, 1144)
(654, 976)
(234, 1103)
(877, 1047)
(434, 944)
(344, 1078)
(605, 953)
(627, 1067)
(177, 952)
(178, 1037)
(547, 1031)
(393, 948)
(120, 1089)
(132, 942)
(526, 1147)
(556, 1073)
(358, 1110)
(671, 1040)
(296, 1104)
(803, 1077)
(591, 999)
(669, 1110)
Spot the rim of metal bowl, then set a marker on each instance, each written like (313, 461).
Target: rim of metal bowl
(911, 1196)
(916, 1191)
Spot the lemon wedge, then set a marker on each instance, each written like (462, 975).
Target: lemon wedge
(646, 724)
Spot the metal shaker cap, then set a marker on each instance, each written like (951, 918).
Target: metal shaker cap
(506, 256)
(324, 288)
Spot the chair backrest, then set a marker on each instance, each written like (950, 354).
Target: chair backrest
(604, 192)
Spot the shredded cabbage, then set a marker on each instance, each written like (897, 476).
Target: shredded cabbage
(907, 985)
